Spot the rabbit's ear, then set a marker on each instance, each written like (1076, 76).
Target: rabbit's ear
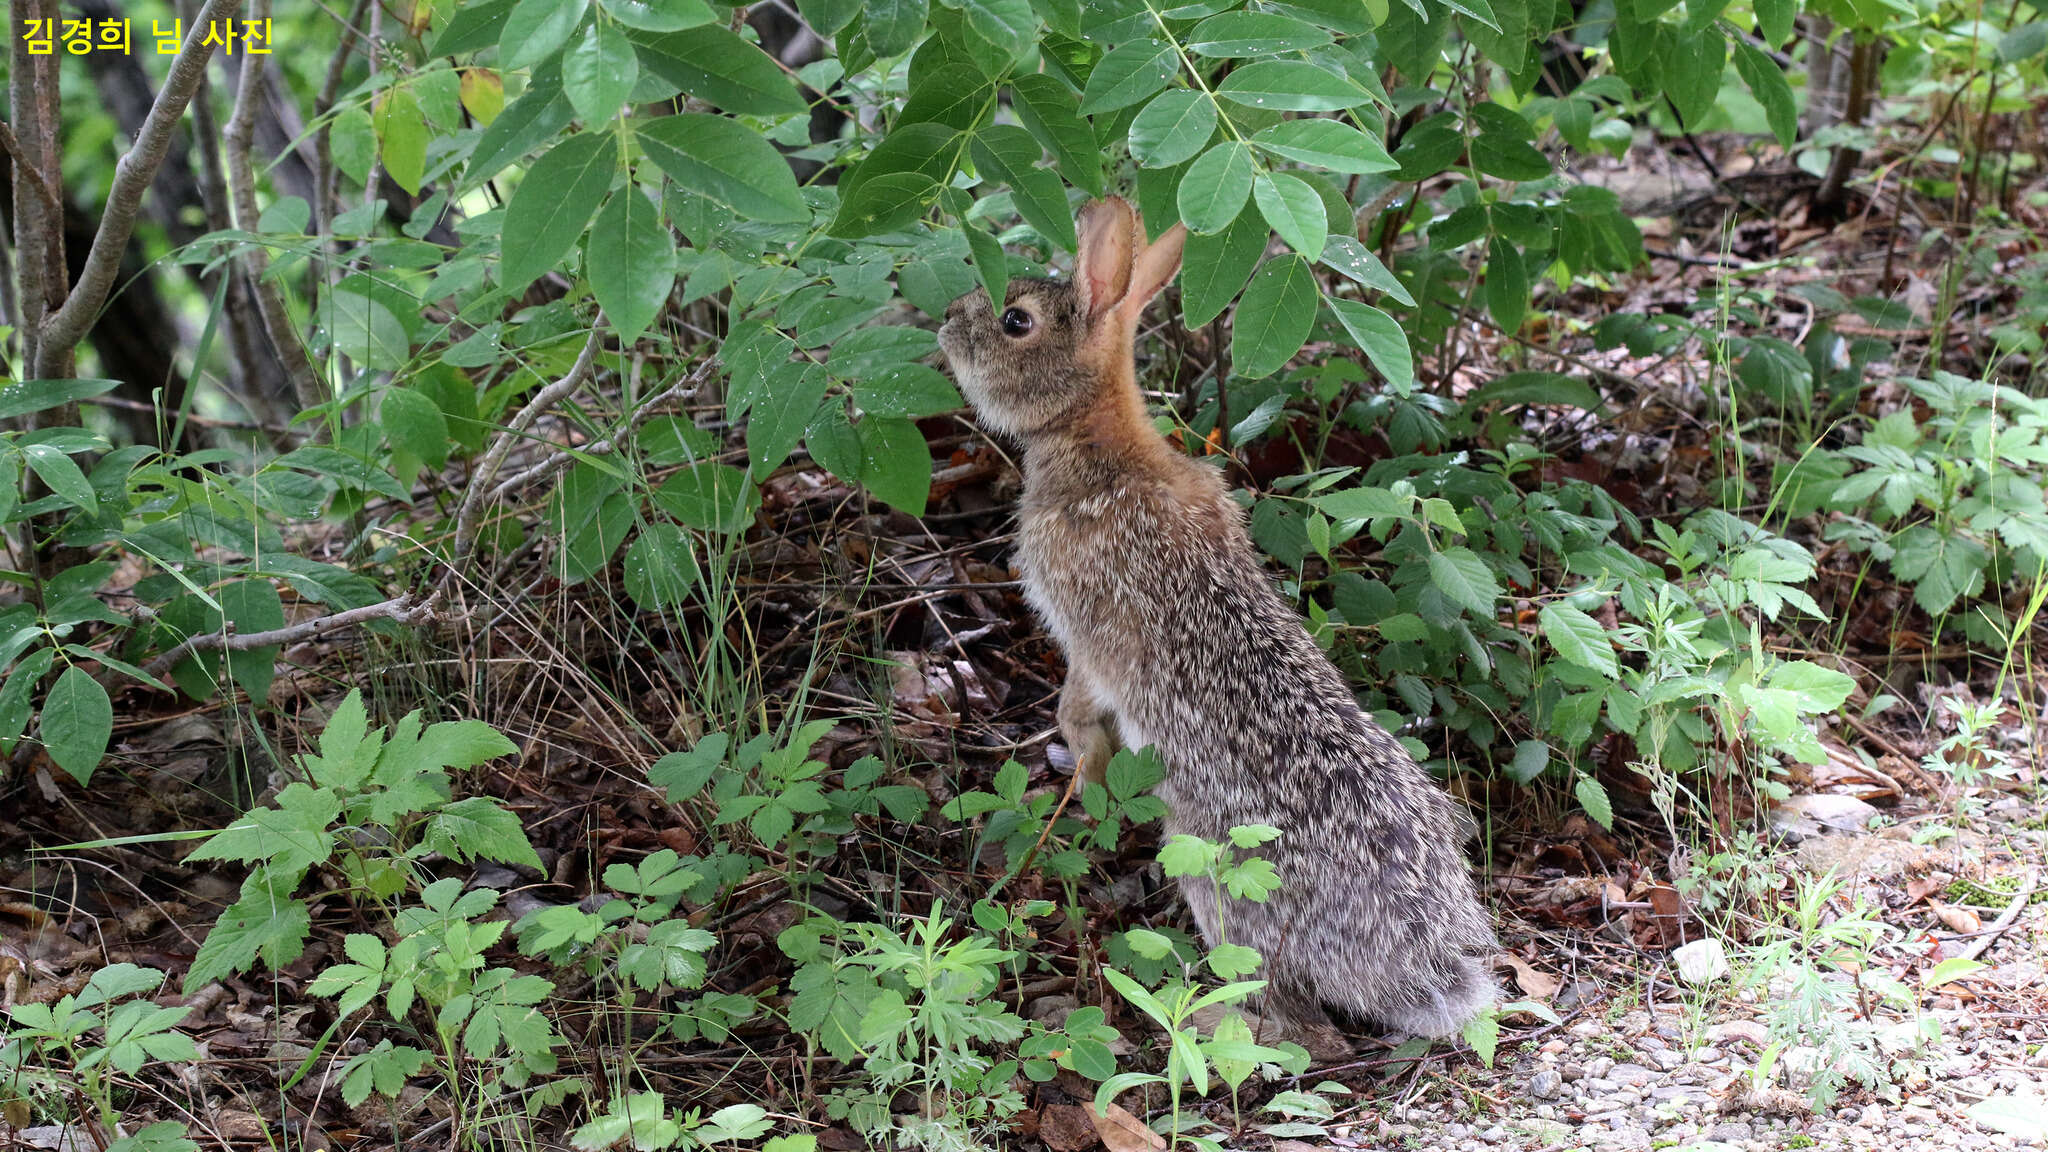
(1109, 238)
(1153, 268)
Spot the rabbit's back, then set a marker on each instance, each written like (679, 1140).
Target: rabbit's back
(1148, 579)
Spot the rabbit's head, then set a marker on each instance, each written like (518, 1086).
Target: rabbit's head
(1057, 347)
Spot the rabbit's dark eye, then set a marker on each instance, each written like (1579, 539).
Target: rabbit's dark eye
(1016, 322)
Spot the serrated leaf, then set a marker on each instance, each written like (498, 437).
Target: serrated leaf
(1579, 638)
(1593, 798)
(1465, 580)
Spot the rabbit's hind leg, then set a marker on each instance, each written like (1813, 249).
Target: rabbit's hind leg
(1087, 725)
(1290, 1010)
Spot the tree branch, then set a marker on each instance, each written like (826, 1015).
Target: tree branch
(277, 320)
(63, 329)
(487, 470)
(407, 609)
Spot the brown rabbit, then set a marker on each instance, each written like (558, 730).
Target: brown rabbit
(1138, 561)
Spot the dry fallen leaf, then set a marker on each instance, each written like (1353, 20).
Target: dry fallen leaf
(1123, 1132)
(1067, 1128)
(1957, 919)
(1535, 985)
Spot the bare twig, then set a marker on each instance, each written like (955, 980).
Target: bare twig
(298, 363)
(480, 481)
(407, 609)
(34, 175)
(63, 329)
(685, 387)
(2005, 918)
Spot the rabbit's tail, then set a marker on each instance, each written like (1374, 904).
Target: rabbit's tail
(1441, 1007)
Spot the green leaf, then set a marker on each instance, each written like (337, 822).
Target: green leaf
(1329, 144)
(827, 17)
(1382, 339)
(1216, 266)
(1820, 690)
(1047, 110)
(894, 26)
(1009, 25)
(2024, 1116)
(1507, 285)
(537, 29)
(956, 95)
(884, 203)
(1951, 970)
(599, 72)
(1274, 317)
(21, 397)
(474, 25)
(553, 203)
(909, 390)
(1294, 210)
(1291, 85)
(1692, 77)
(1774, 20)
(1546, 388)
(1173, 128)
(630, 260)
(721, 159)
(78, 720)
(1213, 190)
(896, 463)
(776, 421)
(1531, 758)
(714, 497)
(1237, 34)
(524, 125)
(414, 425)
(1579, 638)
(63, 477)
(402, 137)
(1465, 580)
(660, 15)
(991, 265)
(1345, 256)
(718, 67)
(1593, 798)
(1129, 73)
(480, 827)
(1010, 154)
(1767, 83)
(661, 567)
(2022, 43)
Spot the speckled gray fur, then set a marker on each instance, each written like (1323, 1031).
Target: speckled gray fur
(1138, 562)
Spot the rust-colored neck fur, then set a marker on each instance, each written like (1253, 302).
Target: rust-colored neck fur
(1107, 441)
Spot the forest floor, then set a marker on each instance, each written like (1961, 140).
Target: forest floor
(912, 634)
